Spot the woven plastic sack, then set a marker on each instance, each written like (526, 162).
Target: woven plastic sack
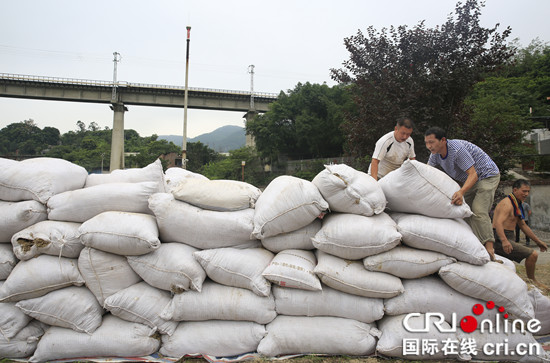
(451, 237)
(237, 267)
(327, 302)
(171, 267)
(121, 233)
(150, 173)
(491, 282)
(73, 307)
(352, 277)
(431, 294)
(299, 239)
(220, 338)
(220, 302)
(38, 276)
(293, 269)
(407, 263)
(54, 238)
(15, 216)
(317, 335)
(219, 195)
(174, 175)
(12, 320)
(489, 347)
(354, 236)
(114, 338)
(83, 204)
(39, 179)
(350, 191)
(24, 343)
(419, 188)
(105, 273)
(7, 260)
(287, 204)
(181, 222)
(142, 303)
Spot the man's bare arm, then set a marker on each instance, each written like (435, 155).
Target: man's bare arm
(529, 233)
(374, 168)
(503, 212)
(468, 184)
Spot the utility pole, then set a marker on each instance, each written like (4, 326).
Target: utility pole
(184, 146)
(116, 59)
(251, 71)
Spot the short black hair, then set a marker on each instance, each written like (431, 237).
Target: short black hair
(520, 182)
(406, 122)
(438, 132)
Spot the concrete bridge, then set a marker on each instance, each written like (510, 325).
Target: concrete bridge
(121, 94)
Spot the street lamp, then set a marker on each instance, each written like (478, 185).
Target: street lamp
(243, 163)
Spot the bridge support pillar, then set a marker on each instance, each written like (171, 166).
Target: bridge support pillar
(249, 116)
(117, 137)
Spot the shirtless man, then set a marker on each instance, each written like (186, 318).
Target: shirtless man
(508, 213)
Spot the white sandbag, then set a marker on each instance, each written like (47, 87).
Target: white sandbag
(7, 260)
(220, 195)
(299, 239)
(419, 188)
(54, 238)
(83, 204)
(220, 338)
(150, 173)
(431, 294)
(407, 263)
(287, 204)
(352, 277)
(15, 216)
(393, 342)
(293, 269)
(174, 175)
(237, 267)
(541, 305)
(105, 273)
(511, 346)
(354, 236)
(490, 282)
(506, 262)
(114, 338)
(220, 302)
(121, 233)
(12, 320)
(452, 237)
(328, 302)
(350, 191)
(39, 179)
(24, 343)
(181, 222)
(171, 267)
(317, 335)
(73, 307)
(142, 303)
(38, 276)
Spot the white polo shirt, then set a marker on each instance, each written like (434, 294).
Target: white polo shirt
(392, 153)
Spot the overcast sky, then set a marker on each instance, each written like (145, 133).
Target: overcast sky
(288, 41)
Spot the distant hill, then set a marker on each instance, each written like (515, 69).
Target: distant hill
(222, 140)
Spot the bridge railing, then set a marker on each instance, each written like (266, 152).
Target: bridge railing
(88, 82)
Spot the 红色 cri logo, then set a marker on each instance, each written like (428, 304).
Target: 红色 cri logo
(469, 323)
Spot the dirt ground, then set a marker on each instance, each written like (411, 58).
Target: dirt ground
(542, 272)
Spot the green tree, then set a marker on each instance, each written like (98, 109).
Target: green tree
(305, 123)
(422, 73)
(199, 155)
(231, 167)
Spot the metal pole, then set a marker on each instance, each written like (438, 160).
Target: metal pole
(184, 146)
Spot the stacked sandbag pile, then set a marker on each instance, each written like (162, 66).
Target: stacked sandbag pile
(137, 262)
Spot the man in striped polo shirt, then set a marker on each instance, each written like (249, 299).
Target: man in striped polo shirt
(477, 175)
(392, 149)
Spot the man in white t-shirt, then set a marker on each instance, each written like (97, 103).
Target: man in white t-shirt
(393, 149)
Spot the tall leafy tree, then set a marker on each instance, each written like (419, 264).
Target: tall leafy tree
(304, 123)
(419, 72)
